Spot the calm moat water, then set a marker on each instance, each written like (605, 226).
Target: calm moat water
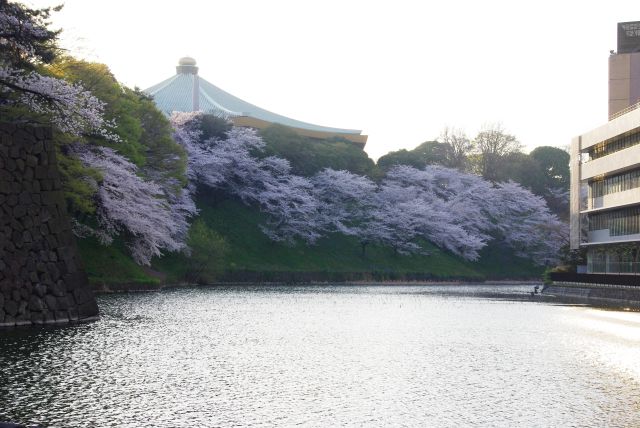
(328, 356)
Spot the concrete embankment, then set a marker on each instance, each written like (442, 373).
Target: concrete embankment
(609, 295)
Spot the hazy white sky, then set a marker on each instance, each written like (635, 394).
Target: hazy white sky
(399, 70)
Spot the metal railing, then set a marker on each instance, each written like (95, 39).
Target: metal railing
(624, 111)
(620, 268)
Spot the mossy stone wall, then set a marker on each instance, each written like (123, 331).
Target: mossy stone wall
(41, 277)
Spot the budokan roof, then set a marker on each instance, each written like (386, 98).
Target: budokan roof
(186, 91)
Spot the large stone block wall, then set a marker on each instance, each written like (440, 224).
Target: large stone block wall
(41, 277)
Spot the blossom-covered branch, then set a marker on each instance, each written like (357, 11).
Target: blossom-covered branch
(70, 107)
(230, 165)
(25, 41)
(128, 204)
(24, 35)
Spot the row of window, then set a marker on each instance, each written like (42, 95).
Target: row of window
(613, 261)
(615, 183)
(608, 147)
(625, 221)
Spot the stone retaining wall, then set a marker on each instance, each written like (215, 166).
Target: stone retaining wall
(41, 278)
(615, 296)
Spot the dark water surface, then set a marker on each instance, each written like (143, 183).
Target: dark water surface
(328, 356)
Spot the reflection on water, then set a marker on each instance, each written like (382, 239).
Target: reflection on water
(618, 335)
(328, 356)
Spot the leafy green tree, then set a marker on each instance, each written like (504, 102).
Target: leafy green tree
(212, 126)
(555, 166)
(524, 170)
(78, 185)
(144, 133)
(120, 104)
(433, 153)
(545, 172)
(427, 153)
(493, 144)
(310, 155)
(165, 159)
(530, 172)
(400, 157)
(208, 250)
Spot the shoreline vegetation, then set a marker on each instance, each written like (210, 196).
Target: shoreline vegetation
(251, 258)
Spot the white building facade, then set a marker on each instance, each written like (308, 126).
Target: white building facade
(605, 170)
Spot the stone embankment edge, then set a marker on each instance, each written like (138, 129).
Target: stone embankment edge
(618, 296)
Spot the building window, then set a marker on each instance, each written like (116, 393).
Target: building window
(596, 261)
(608, 147)
(618, 259)
(621, 222)
(615, 183)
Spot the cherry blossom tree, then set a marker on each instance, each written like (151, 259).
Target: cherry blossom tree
(466, 195)
(347, 205)
(182, 208)
(345, 201)
(26, 41)
(430, 204)
(389, 224)
(404, 208)
(288, 201)
(69, 107)
(455, 211)
(462, 212)
(527, 225)
(231, 165)
(128, 205)
(24, 34)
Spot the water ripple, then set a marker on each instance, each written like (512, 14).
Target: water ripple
(327, 356)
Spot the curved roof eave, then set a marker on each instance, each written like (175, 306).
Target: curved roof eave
(234, 103)
(176, 94)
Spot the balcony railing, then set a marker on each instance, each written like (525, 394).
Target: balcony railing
(624, 111)
(619, 268)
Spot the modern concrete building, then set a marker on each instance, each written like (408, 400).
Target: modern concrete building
(186, 91)
(624, 70)
(605, 170)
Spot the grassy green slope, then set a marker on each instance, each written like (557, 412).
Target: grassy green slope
(251, 251)
(110, 265)
(498, 262)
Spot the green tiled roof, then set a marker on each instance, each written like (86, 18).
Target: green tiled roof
(178, 92)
